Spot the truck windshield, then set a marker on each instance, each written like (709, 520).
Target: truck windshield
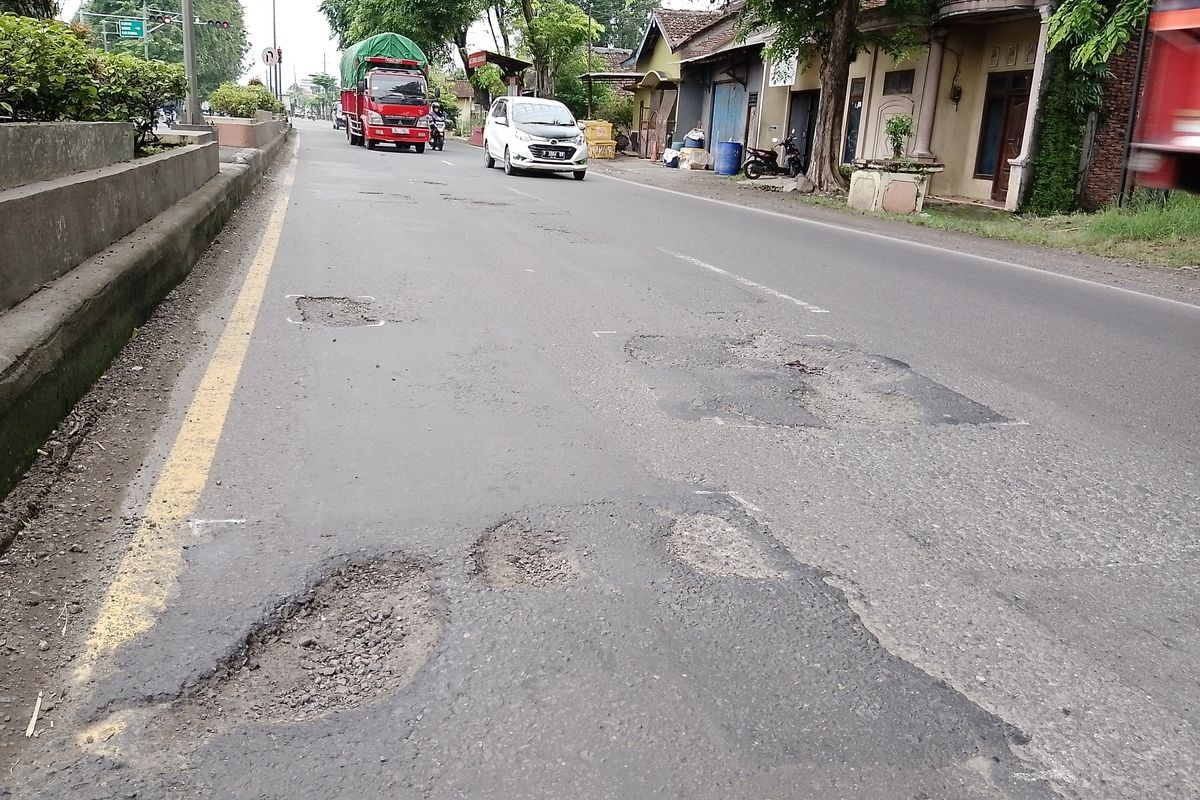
(397, 89)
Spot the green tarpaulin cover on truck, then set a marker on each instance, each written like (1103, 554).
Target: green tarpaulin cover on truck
(390, 45)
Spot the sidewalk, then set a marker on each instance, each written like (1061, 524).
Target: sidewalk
(1176, 284)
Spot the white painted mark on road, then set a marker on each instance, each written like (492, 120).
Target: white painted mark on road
(523, 194)
(787, 298)
(598, 334)
(448, 163)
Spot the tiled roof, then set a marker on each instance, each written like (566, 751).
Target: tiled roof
(463, 89)
(679, 25)
(612, 56)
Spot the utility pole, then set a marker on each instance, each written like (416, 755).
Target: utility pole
(191, 110)
(278, 68)
(589, 57)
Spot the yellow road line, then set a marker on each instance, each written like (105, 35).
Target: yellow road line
(146, 577)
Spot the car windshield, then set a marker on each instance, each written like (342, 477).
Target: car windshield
(542, 114)
(397, 89)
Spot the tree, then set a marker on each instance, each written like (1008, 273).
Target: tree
(1094, 31)
(220, 52)
(826, 32)
(42, 9)
(554, 33)
(623, 21)
(435, 25)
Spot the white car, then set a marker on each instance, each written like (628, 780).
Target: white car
(529, 133)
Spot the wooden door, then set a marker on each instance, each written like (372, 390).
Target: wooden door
(728, 113)
(1010, 143)
(802, 121)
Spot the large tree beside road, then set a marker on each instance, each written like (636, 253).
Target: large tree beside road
(43, 9)
(220, 52)
(825, 33)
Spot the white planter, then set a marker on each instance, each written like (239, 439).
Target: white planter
(894, 192)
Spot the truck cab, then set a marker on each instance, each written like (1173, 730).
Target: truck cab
(390, 104)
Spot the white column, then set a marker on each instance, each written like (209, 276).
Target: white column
(1020, 165)
(929, 96)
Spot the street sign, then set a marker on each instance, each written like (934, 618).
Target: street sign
(131, 28)
(270, 57)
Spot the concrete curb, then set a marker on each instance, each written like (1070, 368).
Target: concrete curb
(58, 342)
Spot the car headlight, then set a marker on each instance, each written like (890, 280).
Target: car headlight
(373, 118)
(522, 136)
(578, 139)
(424, 121)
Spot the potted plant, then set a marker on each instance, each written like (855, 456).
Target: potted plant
(898, 129)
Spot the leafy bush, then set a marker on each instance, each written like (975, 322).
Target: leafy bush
(46, 72)
(617, 109)
(898, 129)
(133, 90)
(243, 101)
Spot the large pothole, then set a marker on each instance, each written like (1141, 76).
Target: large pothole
(338, 312)
(362, 635)
(514, 555)
(715, 546)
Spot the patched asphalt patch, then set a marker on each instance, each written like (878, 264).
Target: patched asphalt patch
(714, 545)
(338, 312)
(473, 201)
(361, 635)
(767, 380)
(515, 555)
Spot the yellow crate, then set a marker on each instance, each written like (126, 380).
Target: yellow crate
(602, 149)
(596, 130)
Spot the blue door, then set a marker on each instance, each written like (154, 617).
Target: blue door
(729, 113)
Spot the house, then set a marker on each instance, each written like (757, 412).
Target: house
(656, 62)
(464, 97)
(721, 83)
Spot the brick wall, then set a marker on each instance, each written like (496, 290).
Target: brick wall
(1102, 181)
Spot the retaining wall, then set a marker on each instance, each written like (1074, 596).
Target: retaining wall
(48, 228)
(41, 151)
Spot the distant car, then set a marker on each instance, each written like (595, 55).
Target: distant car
(339, 119)
(530, 133)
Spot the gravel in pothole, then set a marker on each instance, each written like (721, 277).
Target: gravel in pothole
(513, 555)
(714, 546)
(364, 633)
(337, 312)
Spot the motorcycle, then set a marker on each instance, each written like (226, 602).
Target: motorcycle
(766, 162)
(437, 136)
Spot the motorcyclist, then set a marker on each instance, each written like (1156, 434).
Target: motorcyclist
(436, 115)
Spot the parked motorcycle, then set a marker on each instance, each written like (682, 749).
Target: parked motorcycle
(766, 162)
(437, 135)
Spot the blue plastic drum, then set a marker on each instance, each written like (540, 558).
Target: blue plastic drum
(727, 158)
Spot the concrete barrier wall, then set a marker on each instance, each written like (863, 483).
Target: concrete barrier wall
(48, 228)
(239, 132)
(41, 151)
(56, 344)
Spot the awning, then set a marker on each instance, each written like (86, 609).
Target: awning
(612, 77)
(508, 65)
(655, 77)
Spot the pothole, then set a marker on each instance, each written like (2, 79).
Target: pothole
(513, 555)
(362, 635)
(337, 312)
(715, 546)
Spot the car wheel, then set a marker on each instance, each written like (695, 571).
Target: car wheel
(509, 169)
(580, 175)
(420, 148)
(488, 161)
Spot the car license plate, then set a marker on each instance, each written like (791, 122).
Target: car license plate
(399, 131)
(558, 155)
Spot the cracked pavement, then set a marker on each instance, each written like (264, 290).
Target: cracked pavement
(841, 518)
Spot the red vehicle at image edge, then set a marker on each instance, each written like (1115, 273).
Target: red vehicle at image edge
(1166, 153)
(385, 95)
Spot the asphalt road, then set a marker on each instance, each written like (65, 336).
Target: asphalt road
(532, 488)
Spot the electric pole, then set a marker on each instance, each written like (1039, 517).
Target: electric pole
(278, 68)
(191, 111)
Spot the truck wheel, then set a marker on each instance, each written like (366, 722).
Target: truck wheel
(420, 148)
(371, 144)
(488, 161)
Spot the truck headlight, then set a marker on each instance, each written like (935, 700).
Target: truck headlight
(424, 121)
(373, 118)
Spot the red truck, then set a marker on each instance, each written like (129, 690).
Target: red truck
(385, 95)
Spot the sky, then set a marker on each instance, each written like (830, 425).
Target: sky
(304, 35)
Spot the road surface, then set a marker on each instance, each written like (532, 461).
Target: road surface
(521, 487)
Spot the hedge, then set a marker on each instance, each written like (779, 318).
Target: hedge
(243, 101)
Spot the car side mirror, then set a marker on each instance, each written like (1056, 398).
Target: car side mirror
(362, 86)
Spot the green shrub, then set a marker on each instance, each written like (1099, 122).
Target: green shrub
(46, 72)
(617, 109)
(243, 101)
(133, 90)
(1055, 179)
(898, 129)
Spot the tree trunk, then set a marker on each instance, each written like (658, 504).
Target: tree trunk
(835, 66)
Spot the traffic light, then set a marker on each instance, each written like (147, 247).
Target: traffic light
(165, 19)
(215, 23)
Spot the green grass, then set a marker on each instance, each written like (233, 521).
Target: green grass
(1148, 230)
